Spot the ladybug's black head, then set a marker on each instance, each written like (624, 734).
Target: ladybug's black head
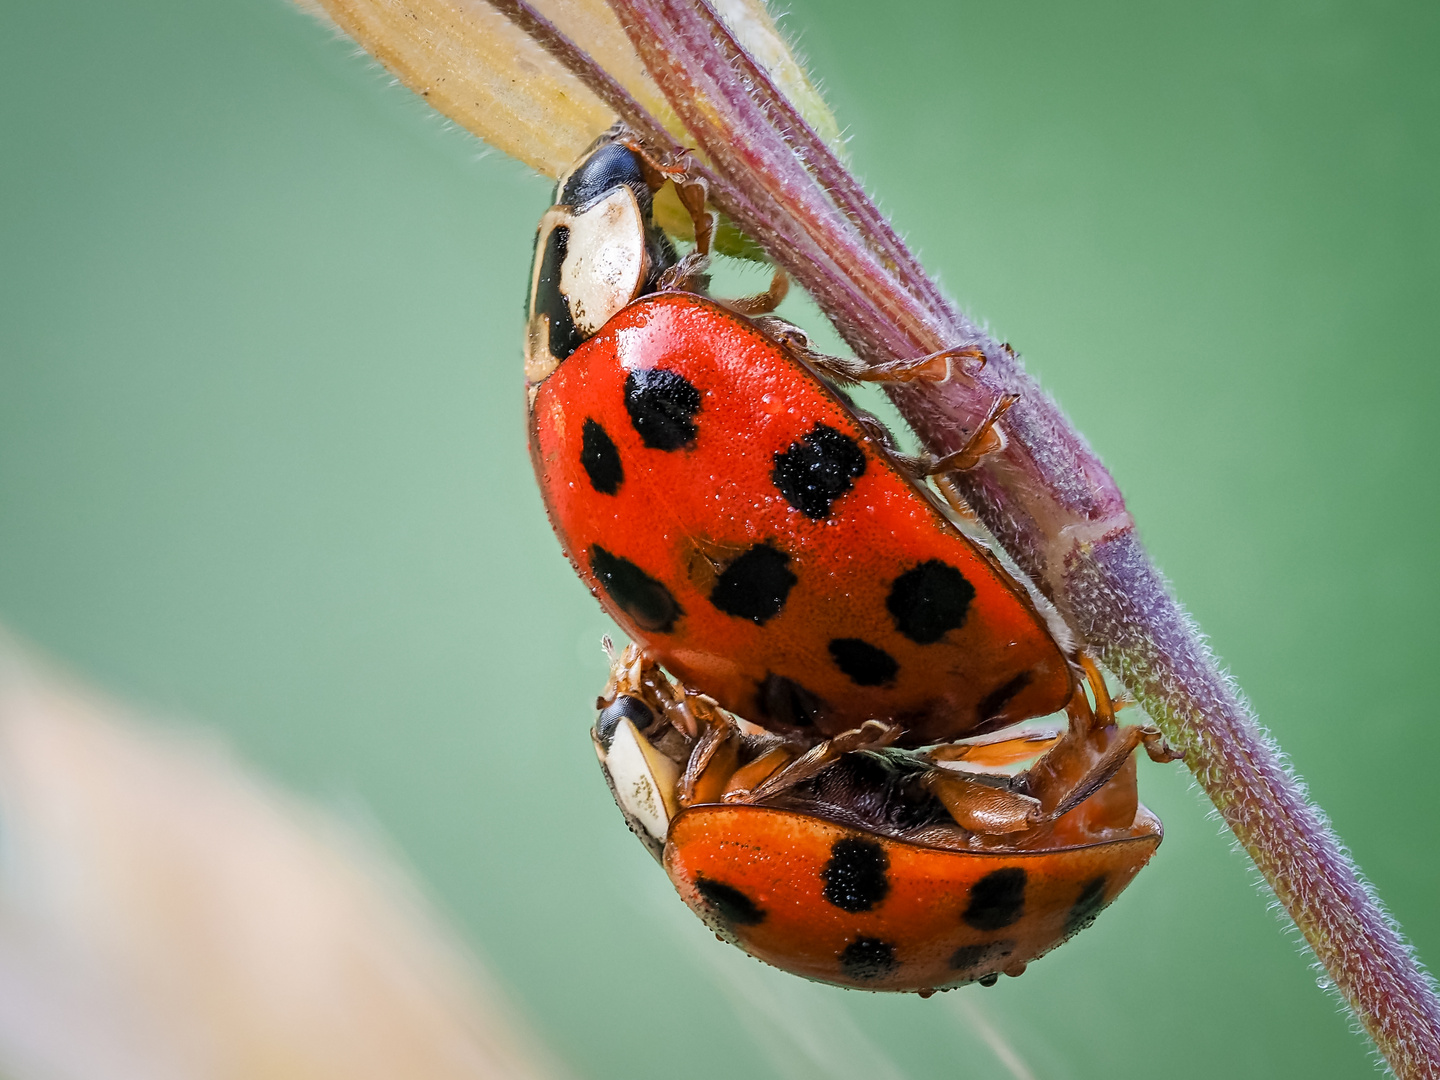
(624, 707)
(596, 250)
(611, 165)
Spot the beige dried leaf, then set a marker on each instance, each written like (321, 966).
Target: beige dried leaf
(471, 64)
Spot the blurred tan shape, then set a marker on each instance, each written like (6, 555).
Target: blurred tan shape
(165, 915)
(471, 64)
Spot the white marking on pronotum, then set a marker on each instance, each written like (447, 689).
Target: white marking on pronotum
(644, 780)
(604, 267)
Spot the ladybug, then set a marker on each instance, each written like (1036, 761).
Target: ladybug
(862, 864)
(736, 514)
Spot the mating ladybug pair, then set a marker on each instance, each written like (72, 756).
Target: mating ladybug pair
(819, 773)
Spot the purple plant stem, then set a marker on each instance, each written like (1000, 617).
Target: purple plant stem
(830, 172)
(1046, 496)
(1053, 505)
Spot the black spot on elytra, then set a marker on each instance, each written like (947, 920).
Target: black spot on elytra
(930, 600)
(755, 585)
(997, 899)
(623, 707)
(973, 957)
(815, 471)
(784, 701)
(601, 459)
(662, 404)
(862, 662)
(1089, 905)
(868, 958)
(855, 878)
(635, 592)
(989, 980)
(993, 703)
(731, 905)
(550, 301)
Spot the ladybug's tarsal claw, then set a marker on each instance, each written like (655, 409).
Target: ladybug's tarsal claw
(986, 440)
(1157, 748)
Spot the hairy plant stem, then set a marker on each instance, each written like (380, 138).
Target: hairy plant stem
(1046, 497)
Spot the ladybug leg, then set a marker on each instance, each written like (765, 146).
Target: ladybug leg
(872, 735)
(694, 192)
(635, 675)
(936, 367)
(991, 809)
(995, 753)
(688, 275)
(1092, 752)
(628, 673)
(954, 499)
(986, 439)
(1156, 748)
(1066, 790)
(762, 303)
(750, 776)
(713, 761)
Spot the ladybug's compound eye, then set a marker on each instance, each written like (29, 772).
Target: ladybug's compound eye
(623, 707)
(612, 165)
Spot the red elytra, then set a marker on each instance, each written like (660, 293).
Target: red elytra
(909, 917)
(736, 518)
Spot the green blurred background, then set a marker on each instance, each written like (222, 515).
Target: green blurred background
(262, 465)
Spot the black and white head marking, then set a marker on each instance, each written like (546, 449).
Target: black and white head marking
(596, 250)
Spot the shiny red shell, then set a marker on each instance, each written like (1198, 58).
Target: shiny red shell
(736, 519)
(839, 905)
